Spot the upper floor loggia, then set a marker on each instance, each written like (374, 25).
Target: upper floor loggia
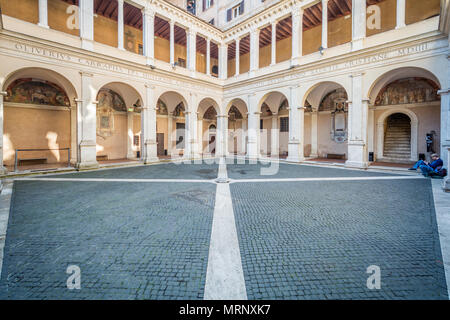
(157, 34)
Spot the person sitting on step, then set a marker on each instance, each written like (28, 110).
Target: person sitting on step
(427, 168)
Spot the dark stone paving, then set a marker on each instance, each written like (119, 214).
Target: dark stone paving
(315, 240)
(253, 171)
(200, 171)
(131, 240)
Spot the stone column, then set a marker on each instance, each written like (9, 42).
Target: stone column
(238, 57)
(274, 44)
(208, 56)
(401, 14)
(87, 124)
(130, 136)
(191, 133)
(358, 24)
(296, 126)
(274, 139)
(244, 134)
(2, 168)
(86, 12)
(358, 119)
(200, 133)
(223, 61)
(43, 13)
(172, 42)
(120, 25)
(254, 49)
(253, 128)
(148, 18)
(297, 36)
(445, 134)
(73, 133)
(169, 133)
(324, 24)
(191, 50)
(149, 114)
(221, 135)
(314, 134)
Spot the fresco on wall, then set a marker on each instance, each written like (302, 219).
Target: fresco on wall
(408, 91)
(161, 108)
(210, 114)
(234, 114)
(108, 102)
(283, 106)
(265, 110)
(38, 92)
(179, 110)
(110, 99)
(334, 100)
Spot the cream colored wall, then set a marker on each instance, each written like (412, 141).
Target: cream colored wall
(115, 146)
(57, 17)
(137, 131)
(312, 40)
(26, 128)
(388, 17)
(307, 135)
(325, 144)
(429, 119)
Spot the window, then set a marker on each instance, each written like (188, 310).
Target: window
(190, 6)
(207, 4)
(284, 124)
(235, 12)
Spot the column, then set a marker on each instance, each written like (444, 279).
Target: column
(297, 36)
(358, 24)
(223, 61)
(314, 134)
(358, 121)
(208, 56)
(149, 113)
(253, 127)
(191, 50)
(238, 57)
(324, 24)
(222, 135)
(172, 42)
(274, 139)
(43, 13)
(169, 133)
(2, 168)
(73, 134)
(130, 136)
(120, 26)
(296, 126)
(148, 18)
(371, 131)
(254, 50)
(192, 135)
(401, 15)
(445, 134)
(274, 44)
(86, 12)
(87, 124)
(244, 134)
(200, 133)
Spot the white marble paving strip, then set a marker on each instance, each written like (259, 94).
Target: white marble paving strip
(442, 207)
(5, 202)
(115, 180)
(224, 276)
(327, 179)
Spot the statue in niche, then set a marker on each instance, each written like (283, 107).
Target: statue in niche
(408, 91)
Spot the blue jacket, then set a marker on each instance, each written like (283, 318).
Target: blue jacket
(436, 163)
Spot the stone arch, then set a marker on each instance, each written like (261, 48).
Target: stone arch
(238, 126)
(205, 104)
(173, 99)
(381, 128)
(39, 113)
(273, 100)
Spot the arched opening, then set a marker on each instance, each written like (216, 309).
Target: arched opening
(411, 92)
(118, 125)
(171, 125)
(208, 110)
(273, 123)
(237, 127)
(326, 123)
(39, 120)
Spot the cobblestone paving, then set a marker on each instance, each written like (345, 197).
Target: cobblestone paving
(238, 170)
(131, 241)
(159, 171)
(315, 240)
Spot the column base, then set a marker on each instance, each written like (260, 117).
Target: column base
(446, 184)
(88, 156)
(294, 154)
(314, 155)
(357, 155)
(3, 170)
(356, 164)
(87, 165)
(151, 160)
(87, 44)
(357, 44)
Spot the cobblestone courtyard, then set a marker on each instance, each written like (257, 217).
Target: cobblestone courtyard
(148, 232)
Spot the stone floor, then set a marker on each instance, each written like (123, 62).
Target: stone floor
(145, 232)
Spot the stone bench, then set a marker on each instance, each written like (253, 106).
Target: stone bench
(30, 161)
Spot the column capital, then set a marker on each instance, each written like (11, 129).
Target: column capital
(148, 12)
(3, 93)
(357, 74)
(443, 92)
(86, 74)
(150, 86)
(172, 22)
